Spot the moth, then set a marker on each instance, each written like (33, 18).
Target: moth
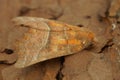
(47, 39)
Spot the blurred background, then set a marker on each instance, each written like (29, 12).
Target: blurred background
(99, 63)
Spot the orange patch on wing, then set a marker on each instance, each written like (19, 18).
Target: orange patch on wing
(69, 41)
(54, 24)
(74, 42)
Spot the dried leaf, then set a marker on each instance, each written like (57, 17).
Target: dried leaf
(114, 8)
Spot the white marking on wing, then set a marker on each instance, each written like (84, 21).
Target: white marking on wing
(43, 44)
(66, 37)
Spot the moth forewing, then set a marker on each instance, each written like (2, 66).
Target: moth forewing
(47, 39)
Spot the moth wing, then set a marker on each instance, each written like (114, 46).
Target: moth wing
(37, 44)
(45, 40)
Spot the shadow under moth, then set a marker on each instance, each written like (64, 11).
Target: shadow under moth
(47, 39)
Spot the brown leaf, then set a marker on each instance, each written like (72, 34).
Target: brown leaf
(114, 8)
